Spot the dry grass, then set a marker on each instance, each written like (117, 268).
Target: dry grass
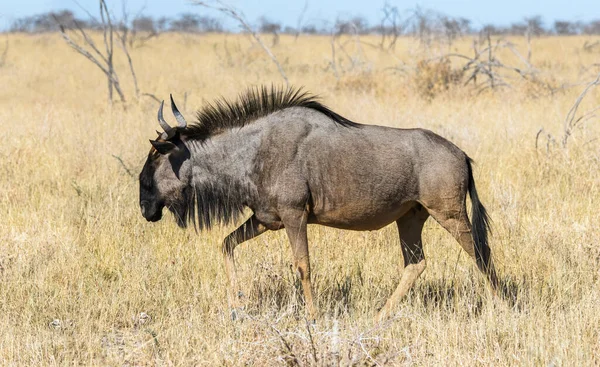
(85, 280)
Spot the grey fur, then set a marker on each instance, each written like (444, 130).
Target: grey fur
(294, 163)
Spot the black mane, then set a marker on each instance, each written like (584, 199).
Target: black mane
(256, 102)
(208, 204)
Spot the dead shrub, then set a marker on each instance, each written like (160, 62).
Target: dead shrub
(541, 85)
(359, 82)
(434, 77)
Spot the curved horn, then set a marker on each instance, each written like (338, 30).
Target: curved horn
(161, 120)
(180, 120)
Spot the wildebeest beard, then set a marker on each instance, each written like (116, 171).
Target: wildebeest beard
(209, 203)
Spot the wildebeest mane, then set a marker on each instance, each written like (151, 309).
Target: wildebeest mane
(213, 203)
(255, 103)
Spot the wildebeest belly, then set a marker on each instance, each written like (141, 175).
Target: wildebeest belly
(361, 201)
(360, 218)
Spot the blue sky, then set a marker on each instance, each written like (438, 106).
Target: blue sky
(501, 12)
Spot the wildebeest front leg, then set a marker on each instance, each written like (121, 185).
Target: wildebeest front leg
(295, 225)
(410, 227)
(250, 229)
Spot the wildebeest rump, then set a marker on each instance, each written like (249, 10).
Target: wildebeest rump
(294, 162)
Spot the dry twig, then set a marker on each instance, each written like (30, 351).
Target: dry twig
(300, 19)
(104, 61)
(123, 35)
(127, 169)
(237, 15)
(570, 121)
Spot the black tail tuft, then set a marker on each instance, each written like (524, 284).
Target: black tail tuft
(481, 226)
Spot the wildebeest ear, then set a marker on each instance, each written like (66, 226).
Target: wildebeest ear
(163, 147)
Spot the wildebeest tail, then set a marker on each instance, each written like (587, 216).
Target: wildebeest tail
(481, 225)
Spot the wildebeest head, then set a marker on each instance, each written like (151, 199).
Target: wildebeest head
(164, 180)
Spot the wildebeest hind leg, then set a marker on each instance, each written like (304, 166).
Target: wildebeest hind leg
(410, 227)
(457, 223)
(295, 222)
(250, 229)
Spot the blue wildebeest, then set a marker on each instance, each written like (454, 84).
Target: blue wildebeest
(294, 162)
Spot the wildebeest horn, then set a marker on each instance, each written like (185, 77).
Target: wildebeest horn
(180, 120)
(161, 120)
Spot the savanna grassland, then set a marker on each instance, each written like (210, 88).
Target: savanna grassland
(85, 280)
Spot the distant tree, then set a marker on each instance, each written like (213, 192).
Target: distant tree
(46, 22)
(455, 27)
(290, 30)
(20, 25)
(49, 22)
(592, 27)
(465, 25)
(143, 28)
(429, 26)
(309, 29)
(493, 30)
(210, 24)
(532, 26)
(143, 24)
(535, 26)
(518, 28)
(578, 27)
(423, 24)
(162, 24)
(355, 25)
(189, 22)
(267, 26)
(564, 27)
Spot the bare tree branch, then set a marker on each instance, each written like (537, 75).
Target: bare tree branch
(236, 14)
(300, 19)
(123, 38)
(108, 43)
(151, 96)
(89, 41)
(333, 61)
(127, 169)
(82, 51)
(570, 121)
(103, 61)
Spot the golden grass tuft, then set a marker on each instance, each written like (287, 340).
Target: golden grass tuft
(85, 280)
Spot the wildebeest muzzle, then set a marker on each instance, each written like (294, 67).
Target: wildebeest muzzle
(150, 211)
